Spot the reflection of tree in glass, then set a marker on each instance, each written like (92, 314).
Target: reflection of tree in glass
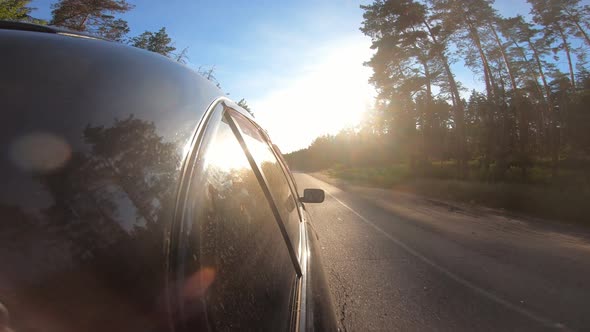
(129, 171)
(235, 233)
(279, 186)
(109, 207)
(137, 159)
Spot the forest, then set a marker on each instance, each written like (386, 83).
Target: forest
(529, 125)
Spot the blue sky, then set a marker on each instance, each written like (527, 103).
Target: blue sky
(297, 63)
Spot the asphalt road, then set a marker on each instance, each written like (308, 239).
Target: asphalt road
(398, 262)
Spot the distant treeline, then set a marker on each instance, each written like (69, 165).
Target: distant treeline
(534, 111)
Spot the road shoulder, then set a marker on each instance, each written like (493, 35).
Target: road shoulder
(430, 204)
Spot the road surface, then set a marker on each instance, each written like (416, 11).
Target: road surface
(398, 262)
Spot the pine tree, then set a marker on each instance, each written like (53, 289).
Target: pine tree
(92, 16)
(158, 42)
(17, 10)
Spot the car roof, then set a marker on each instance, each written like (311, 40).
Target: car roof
(31, 27)
(28, 35)
(55, 84)
(25, 26)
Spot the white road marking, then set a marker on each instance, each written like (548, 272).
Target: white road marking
(533, 316)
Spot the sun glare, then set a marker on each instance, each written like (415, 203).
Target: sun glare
(324, 99)
(226, 153)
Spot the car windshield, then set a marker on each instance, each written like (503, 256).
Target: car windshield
(448, 142)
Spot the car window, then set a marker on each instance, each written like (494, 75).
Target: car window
(290, 177)
(274, 175)
(238, 272)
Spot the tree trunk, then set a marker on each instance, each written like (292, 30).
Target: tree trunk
(486, 68)
(542, 74)
(457, 106)
(566, 48)
(521, 116)
(534, 77)
(426, 120)
(504, 58)
(428, 83)
(459, 121)
(577, 23)
(496, 141)
(82, 26)
(583, 32)
(550, 112)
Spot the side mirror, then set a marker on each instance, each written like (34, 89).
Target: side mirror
(312, 196)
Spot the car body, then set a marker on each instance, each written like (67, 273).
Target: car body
(137, 197)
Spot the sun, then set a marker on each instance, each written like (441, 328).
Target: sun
(329, 95)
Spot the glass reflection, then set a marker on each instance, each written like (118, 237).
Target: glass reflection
(93, 259)
(235, 235)
(273, 172)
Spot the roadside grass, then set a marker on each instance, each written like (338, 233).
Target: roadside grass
(376, 176)
(549, 202)
(567, 199)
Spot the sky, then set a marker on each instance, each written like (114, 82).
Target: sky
(298, 64)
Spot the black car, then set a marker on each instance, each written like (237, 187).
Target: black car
(135, 196)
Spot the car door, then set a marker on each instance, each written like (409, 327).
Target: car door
(236, 266)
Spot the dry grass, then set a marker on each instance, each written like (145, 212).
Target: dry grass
(569, 200)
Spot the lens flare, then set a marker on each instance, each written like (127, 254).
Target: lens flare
(198, 283)
(40, 152)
